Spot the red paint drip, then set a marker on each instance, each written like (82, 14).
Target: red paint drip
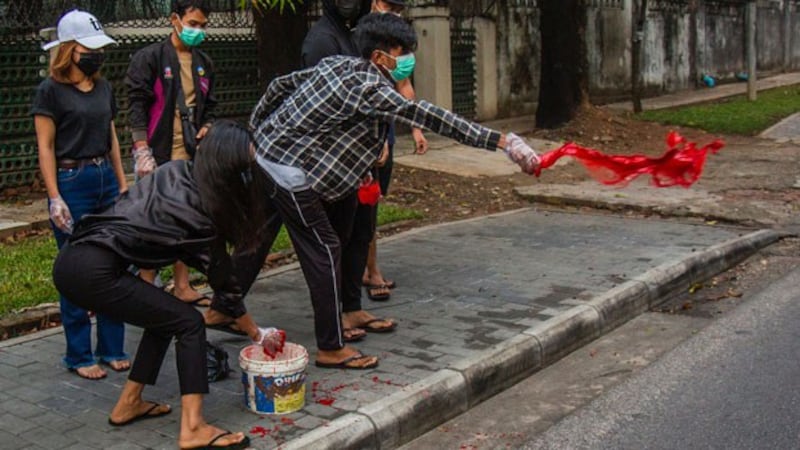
(681, 165)
(287, 421)
(328, 401)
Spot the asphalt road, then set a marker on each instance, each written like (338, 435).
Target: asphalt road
(735, 385)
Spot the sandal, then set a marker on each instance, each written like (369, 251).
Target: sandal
(379, 296)
(345, 363)
(145, 415)
(355, 336)
(378, 329)
(210, 446)
(203, 301)
(386, 283)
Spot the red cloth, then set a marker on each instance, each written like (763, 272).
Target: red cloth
(370, 193)
(682, 164)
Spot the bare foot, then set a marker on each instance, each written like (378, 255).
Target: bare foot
(337, 356)
(204, 434)
(125, 412)
(93, 372)
(365, 320)
(120, 365)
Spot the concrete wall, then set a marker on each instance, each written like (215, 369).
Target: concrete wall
(608, 42)
(518, 56)
(683, 40)
(433, 75)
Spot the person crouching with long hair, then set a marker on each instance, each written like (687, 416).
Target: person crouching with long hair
(192, 211)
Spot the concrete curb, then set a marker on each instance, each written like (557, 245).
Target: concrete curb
(432, 401)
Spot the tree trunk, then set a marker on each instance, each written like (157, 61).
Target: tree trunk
(280, 37)
(564, 81)
(637, 36)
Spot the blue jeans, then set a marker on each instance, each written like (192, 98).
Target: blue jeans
(85, 190)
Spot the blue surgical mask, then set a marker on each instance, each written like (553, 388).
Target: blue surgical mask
(192, 37)
(404, 66)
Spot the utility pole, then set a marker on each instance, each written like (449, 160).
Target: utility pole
(637, 37)
(750, 19)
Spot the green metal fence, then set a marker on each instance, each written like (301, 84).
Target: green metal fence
(23, 65)
(464, 72)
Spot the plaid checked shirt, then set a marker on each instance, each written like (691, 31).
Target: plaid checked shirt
(330, 120)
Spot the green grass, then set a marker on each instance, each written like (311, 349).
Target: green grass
(735, 115)
(26, 265)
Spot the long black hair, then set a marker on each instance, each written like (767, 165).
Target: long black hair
(231, 184)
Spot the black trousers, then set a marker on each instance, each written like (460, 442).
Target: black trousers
(354, 257)
(97, 279)
(319, 230)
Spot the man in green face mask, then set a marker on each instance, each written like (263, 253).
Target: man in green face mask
(171, 92)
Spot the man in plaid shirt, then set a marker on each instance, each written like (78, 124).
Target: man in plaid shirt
(317, 132)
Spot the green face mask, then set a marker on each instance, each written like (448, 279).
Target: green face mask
(404, 68)
(192, 37)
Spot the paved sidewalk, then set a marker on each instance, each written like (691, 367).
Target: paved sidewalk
(481, 303)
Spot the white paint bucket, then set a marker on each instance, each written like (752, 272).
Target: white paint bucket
(274, 386)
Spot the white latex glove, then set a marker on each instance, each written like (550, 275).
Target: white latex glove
(521, 153)
(271, 340)
(143, 161)
(60, 215)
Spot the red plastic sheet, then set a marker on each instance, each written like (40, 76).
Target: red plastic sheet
(681, 165)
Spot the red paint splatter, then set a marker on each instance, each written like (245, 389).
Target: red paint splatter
(326, 401)
(389, 382)
(287, 421)
(261, 431)
(681, 165)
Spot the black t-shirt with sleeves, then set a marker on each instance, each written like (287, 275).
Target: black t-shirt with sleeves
(82, 119)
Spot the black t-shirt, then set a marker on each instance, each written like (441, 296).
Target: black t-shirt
(83, 119)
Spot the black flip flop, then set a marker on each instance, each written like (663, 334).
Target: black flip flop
(226, 328)
(196, 302)
(389, 284)
(143, 416)
(343, 364)
(352, 339)
(210, 446)
(365, 326)
(378, 297)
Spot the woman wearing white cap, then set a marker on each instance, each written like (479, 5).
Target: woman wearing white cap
(79, 158)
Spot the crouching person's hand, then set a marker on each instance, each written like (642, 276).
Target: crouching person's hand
(521, 153)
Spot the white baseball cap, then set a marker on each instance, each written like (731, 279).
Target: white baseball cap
(82, 27)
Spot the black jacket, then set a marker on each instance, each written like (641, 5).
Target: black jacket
(153, 79)
(331, 35)
(161, 220)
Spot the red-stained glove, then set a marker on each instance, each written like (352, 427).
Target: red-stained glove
(521, 153)
(143, 162)
(271, 340)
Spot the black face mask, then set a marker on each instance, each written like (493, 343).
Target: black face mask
(90, 63)
(348, 9)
